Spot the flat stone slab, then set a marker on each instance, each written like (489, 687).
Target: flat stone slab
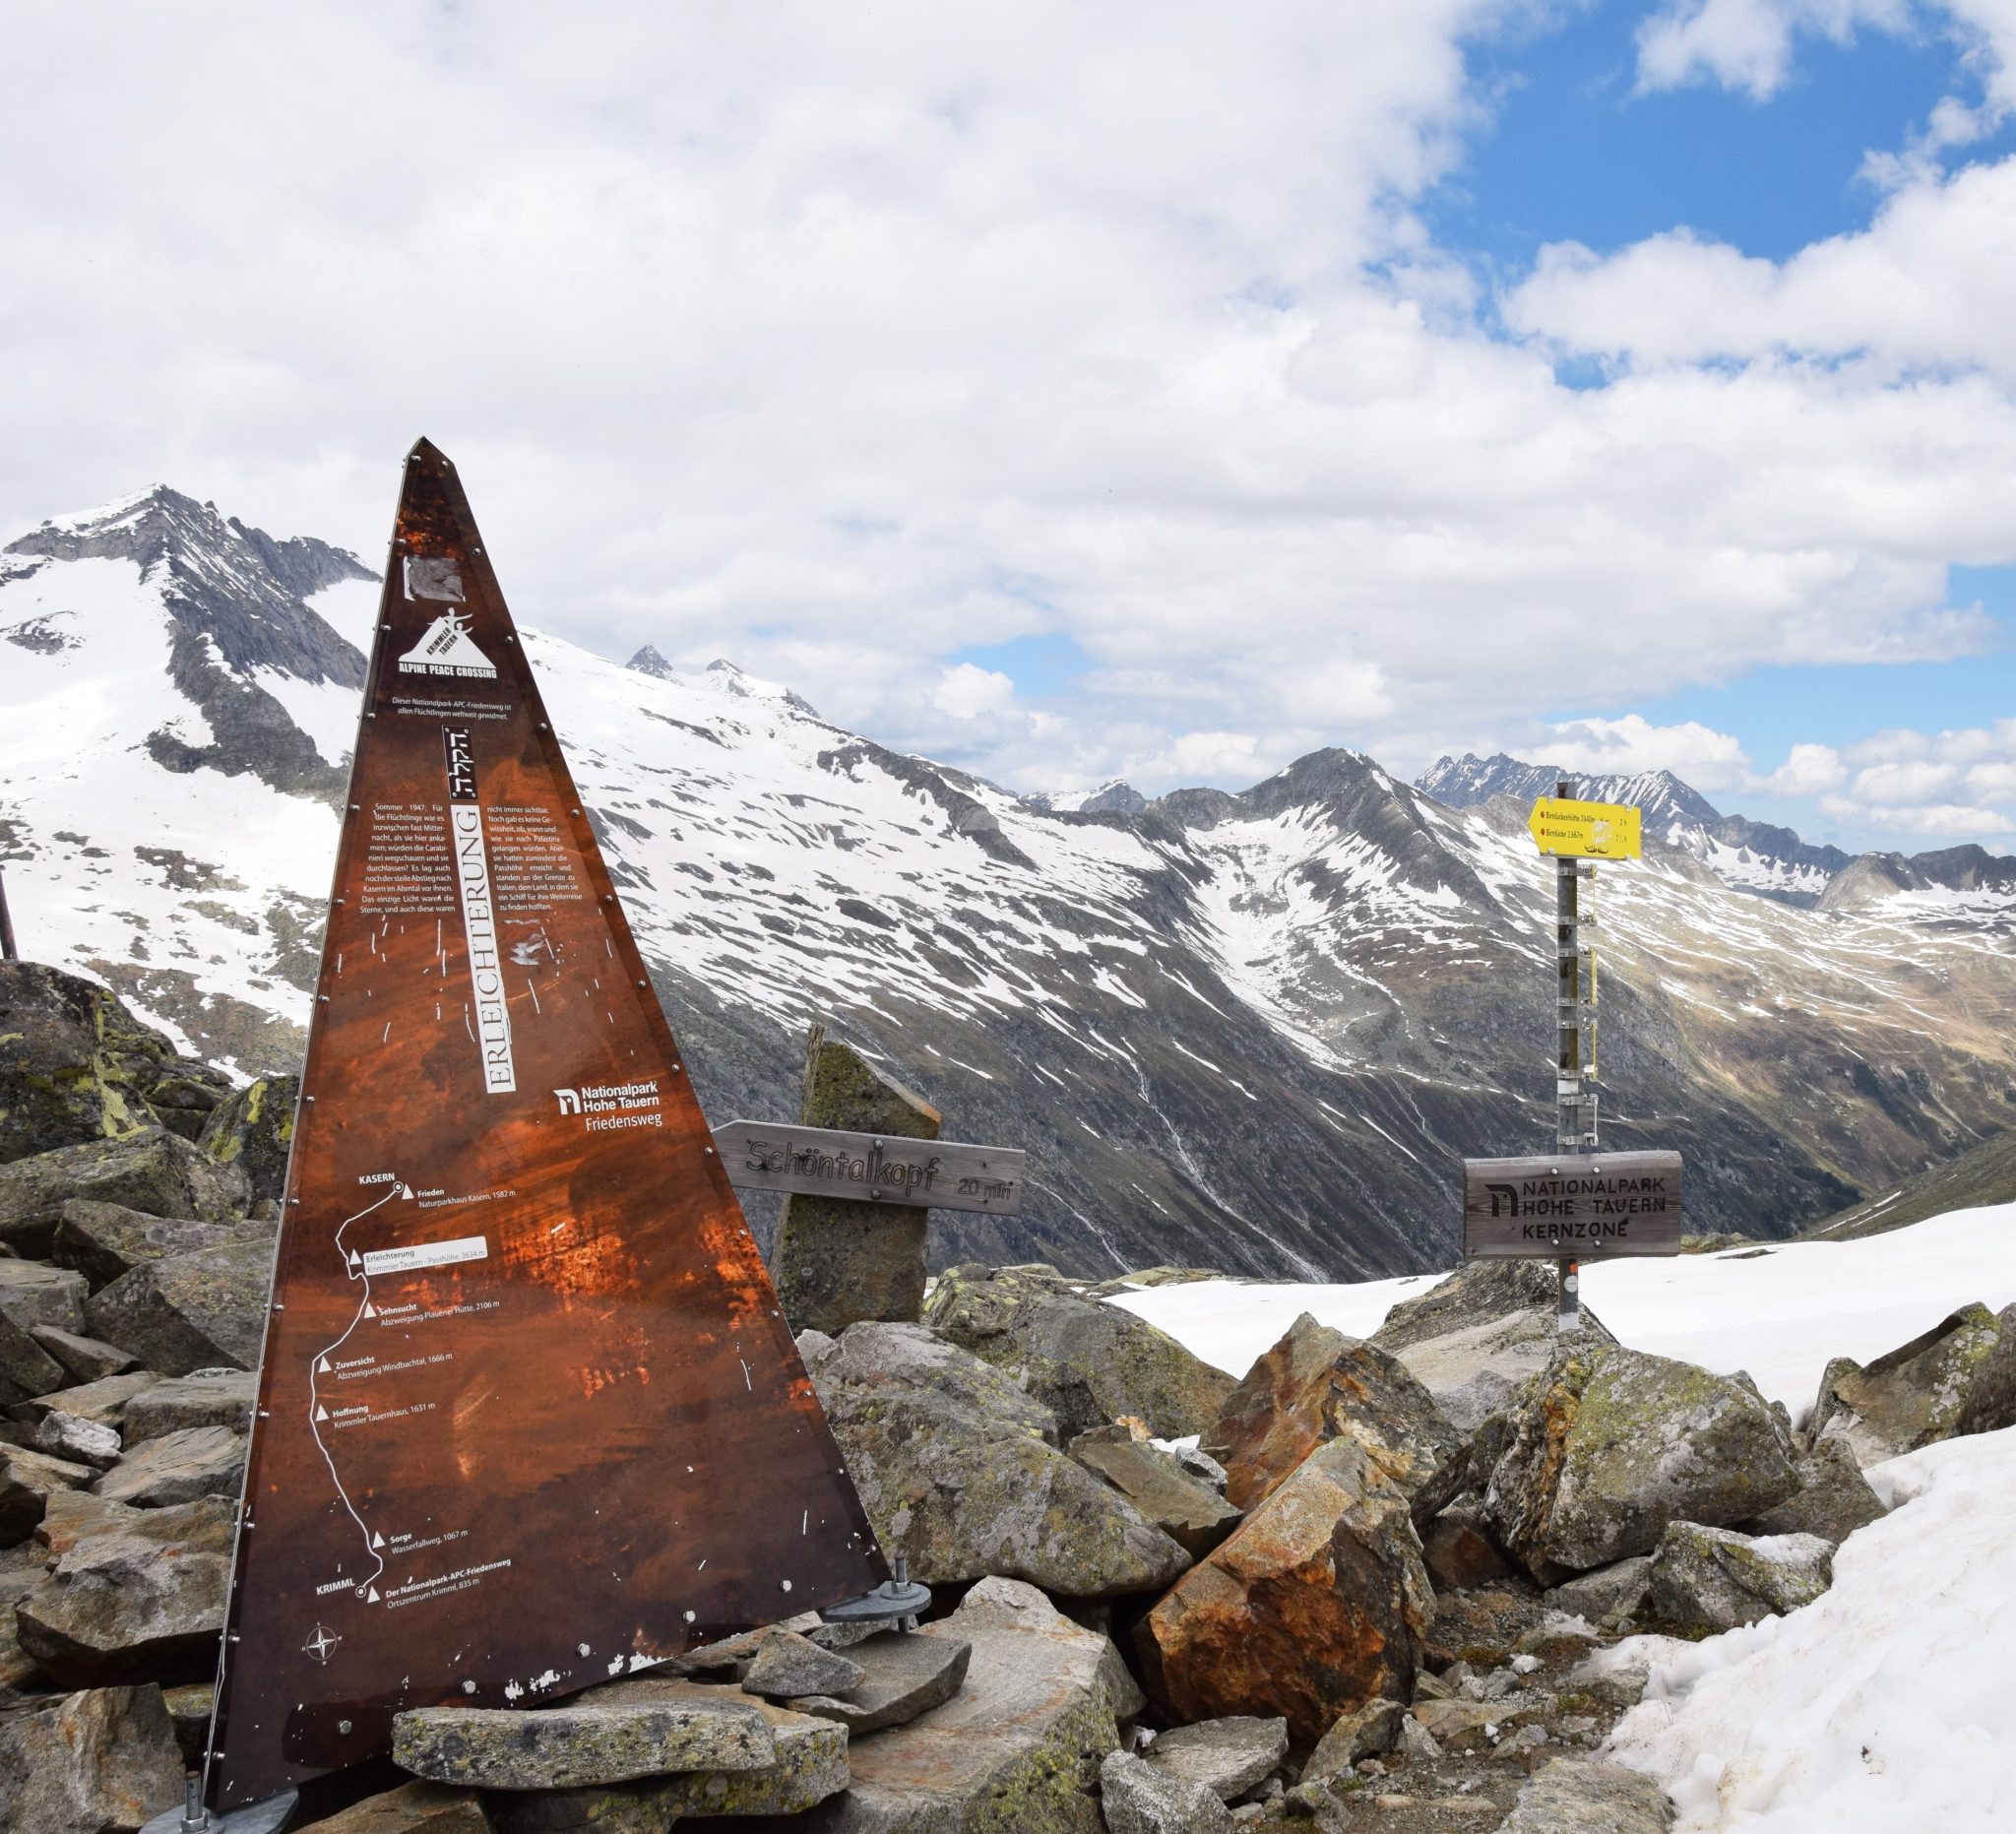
(1139, 1798)
(417, 1807)
(1016, 1752)
(901, 1676)
(582, 1742)
(177, 1468)
(809, 1766)
(86, 1358)
(209, 1398)
(104, 1400)
(27, 1478)
(1228, 1757)
(1588, 1796)
(31, 1294)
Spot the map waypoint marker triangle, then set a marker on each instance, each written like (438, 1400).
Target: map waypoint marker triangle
(599, 1434)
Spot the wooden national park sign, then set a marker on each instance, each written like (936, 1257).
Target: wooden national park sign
(831, 1162)
(529, 1414)
(1588, 1207)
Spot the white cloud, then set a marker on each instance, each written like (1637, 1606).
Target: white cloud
(1747, 45)
(1954, 785)
(840, 341)
(1705, 758)
(966, 691)
(1807, 770)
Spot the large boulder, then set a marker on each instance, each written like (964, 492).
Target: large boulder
(808, 1762)
(75, 1065)
(1230, 1757)
(1139, 1798)
(1991, 1401)
(1187, 1510)
(209, 1398)
(253, 1128)
(151, 1170)
(26, 1366)
(1314, 1606)
(1833, 1499)
(26, 1479)
(1317, 1385)
(598, 1738)
(139, 1597)
(1706, 1579)
(1016, 1752)
(1090, 1362)
(190, 1311)
(31, 1294)
(955, 1470)
(88, 1764)
(177, 1468)
(1911, 1396)
(103, 1241)
(1475, 1338)
(1609, 1445)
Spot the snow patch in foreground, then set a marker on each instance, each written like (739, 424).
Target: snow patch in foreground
(1778, 1309)
(1887, 1705)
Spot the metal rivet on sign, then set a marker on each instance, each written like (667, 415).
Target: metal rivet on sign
(642, 984)
(343, 1726)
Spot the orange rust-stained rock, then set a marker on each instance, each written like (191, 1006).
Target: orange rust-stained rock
(1316, 1606)
(1317, 1385)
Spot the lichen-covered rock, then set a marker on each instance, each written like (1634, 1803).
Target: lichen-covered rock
(840, 1260)
(74, 1062)
(103, 1241)
(209, 1398)
(1911, 1396)
(83, 1358)
(33, 1294)
(1314, 1606)
(1190, 1512)
(1611, 1445)
(1317, 1385)
(1991, 1401)
(416, 1807)
(1715, 1579)
(782, 1664)
(1833, 1499)
(253, 1128)
(1141, 1799)
(1608, 1595)
(1088, 1362)
(1016, 1752)
(901, 1676)
(26, 1366)
(1365, 1732)
(154, 1170)
(88, 1764)
(589, 1740)
(954, 1471)
(1228, 1757)
(122, 1606)
(26, 1478)
(1589, 1795)
(177, 1468)
(190, 1311)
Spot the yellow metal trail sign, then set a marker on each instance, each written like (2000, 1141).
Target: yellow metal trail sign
(1586, 830)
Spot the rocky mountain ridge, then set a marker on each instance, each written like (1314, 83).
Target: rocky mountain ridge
(1256, 1031)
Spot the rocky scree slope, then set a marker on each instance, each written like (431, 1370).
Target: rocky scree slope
(1252, 1030)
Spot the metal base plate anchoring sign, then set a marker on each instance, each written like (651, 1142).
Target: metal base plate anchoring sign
(831, 1162)
(1588, 1207)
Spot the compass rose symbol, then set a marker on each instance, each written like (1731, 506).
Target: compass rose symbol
(322, 1644)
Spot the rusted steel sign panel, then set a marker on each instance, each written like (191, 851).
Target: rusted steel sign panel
(830, 1162)
(528, 1415)
(1586, 1207)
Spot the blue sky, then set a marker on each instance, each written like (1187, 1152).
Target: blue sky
(1149, 389)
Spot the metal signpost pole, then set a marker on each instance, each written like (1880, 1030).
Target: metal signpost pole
(1574, 1067)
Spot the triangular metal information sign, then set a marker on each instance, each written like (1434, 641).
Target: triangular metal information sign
(528, 1414)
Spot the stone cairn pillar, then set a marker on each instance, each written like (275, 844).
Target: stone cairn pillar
(838, 1260)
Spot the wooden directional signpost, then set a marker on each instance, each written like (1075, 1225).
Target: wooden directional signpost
(830, 1162)
(1576, 1203)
